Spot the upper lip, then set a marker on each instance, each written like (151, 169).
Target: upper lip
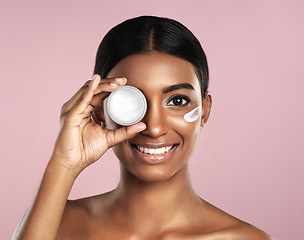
(153, 145)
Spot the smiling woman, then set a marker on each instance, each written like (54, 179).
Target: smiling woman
(172, 89)
(154, 198)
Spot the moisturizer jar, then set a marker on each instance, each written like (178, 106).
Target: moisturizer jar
(126, 106)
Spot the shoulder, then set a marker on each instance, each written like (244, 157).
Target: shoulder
(78, 218)
(222, 225)
(236, 232)
(213, 223)
(243, 230)
(87, 207)
(73, 218)
(234, 228)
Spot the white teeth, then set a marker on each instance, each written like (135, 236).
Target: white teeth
(154, 151)
(151, 151)
(158, 151)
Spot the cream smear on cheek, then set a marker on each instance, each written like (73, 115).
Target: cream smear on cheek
(193, 115)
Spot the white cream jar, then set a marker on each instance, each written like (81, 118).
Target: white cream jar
(126, 106)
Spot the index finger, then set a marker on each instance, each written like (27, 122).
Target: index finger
(104, 85)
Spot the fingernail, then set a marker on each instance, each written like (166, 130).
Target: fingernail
(142, 127)
(120, 79)
(113, 84)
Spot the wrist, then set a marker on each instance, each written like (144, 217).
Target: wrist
(60, 166)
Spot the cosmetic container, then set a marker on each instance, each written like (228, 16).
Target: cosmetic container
(126, 106)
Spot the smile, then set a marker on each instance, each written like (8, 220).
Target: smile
(154, 151)
(154, 154)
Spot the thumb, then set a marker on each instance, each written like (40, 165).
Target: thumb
(122, 134)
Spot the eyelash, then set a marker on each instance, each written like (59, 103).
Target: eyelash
(184, 99)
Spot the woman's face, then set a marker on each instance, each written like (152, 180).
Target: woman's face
(172, 89)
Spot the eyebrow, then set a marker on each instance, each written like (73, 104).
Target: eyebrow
(178, 86)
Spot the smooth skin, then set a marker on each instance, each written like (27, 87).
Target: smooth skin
(153, 200)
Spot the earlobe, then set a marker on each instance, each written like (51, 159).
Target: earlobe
(206, 109)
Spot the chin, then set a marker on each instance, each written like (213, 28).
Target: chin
(151, 174)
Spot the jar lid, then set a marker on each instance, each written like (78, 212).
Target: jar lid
(127, 105)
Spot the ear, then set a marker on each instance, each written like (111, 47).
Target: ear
(206, 108)
(98, 115)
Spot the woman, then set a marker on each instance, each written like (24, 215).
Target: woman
(154, 198)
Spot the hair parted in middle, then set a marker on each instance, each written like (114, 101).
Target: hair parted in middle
(145, 34)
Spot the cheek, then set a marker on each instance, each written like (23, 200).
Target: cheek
(186, 124)
(188, 119)
(193, 115)
(188, 133)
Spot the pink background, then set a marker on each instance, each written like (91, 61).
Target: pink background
(250, 156)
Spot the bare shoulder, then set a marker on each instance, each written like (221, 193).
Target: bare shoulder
(230, 227)
(221, 225)
(238, 231)
(243, 230)
(79, 216)
(74, 216)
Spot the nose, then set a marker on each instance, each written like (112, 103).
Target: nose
(155, 120)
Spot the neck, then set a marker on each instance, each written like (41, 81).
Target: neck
(158, 202)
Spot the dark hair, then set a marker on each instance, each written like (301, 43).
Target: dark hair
(149, 33)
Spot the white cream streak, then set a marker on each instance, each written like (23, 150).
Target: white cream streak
(193, 115)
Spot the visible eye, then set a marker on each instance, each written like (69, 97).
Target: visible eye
(179, 101)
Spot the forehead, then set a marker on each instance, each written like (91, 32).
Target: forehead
(155, 70)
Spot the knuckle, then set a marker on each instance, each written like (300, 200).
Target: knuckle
(109, 141)
(63, 107)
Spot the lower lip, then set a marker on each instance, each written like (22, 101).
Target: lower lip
(154, 158)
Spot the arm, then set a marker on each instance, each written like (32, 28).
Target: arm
(80, 142)
(42, 219)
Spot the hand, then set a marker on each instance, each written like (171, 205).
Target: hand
(81, 141)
